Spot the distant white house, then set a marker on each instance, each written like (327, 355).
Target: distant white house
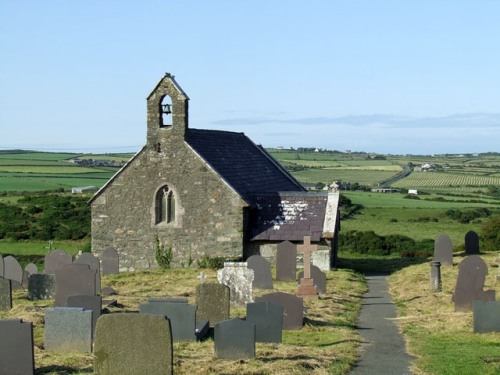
(83, 189)
(413, 191)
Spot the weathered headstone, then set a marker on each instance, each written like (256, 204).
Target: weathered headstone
(133, 344)
(41, 286)
(234, 339)
(470, 283)
(110, 261)
(1, 266)
(55, 260)
(268, 320)
(108, 291)
(436, 285)
(74, 279)
(93, 303)
(471, 243)
(322, 259)
(238, 277)
(13, 271)
(319, 278)
(486, 316)
(212, 302)
(5, 294)
(293, 314)
(443, 250)
(286, 261)
(31, 268)
(95, 265)
(497, 261)
(68, 329)
(306, 285)
(16, 347)
(263, 278)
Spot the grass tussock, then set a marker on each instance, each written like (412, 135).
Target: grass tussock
(442, 339)
(325, 345)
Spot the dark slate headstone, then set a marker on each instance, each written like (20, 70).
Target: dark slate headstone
(268, 320)
(55, 260)
(263, 278)
(5, 294)
(13, 271)
(286, 261)
(443, 250)
(108, 291)
(93, 303)
(41, 286)
(471, 243)
(110, 261)
(133, 344)
(212, 302)
(95, 265)
(234, 339)
(319, 278)
(293, 315)
(16, 347)
(68, 329)
(74, 279)
(486, 316)
(470, 283)
(31, 268)
(181, 314)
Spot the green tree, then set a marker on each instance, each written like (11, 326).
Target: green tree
(490, 234)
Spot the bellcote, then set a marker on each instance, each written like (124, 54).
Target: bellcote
(167, 107)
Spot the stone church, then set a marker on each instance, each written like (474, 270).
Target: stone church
(205, 193)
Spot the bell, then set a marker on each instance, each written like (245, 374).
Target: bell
(166, 108)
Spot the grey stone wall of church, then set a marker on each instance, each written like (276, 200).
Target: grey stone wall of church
(209, 214)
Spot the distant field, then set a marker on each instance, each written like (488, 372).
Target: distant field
(366, 177)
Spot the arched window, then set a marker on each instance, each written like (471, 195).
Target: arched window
(165, 205)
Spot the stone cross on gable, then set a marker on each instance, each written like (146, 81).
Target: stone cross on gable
(307, 249)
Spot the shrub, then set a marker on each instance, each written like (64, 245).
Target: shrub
(163, 254)
(490, 234)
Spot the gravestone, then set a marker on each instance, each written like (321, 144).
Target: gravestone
(293, 313)
(234, 339)
(68, 329)
(5, 294)
(41, 286)
(436, 284)
(93, 303)
(31, 268)
(95, 265)
(108, 291)
(286, 261)
(1, 266)
(268, 320)
(497, 261)
(471, 243)
(55, 260)
(110, 261)
(470, 283)
(443, 251)
(13, 271)
(74, 279)
(238, 277)
(212, 302)
(182, 316)
(263, 278)
(133, 344)
(16, 347)
(486, 316)
(306, 285)
(319, 278)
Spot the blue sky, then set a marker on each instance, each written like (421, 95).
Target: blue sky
(381, 76)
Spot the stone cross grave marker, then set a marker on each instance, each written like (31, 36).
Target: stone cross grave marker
(133, 344)
(486, 316)
(306, 286)
(41, 286)
(319, 278)
(13, 271)
(263, 278)
(212, 302)
(286, 261)
(16, 347)
(68, 329)
(443, 250)
(55, 260)
(5, 294)
(268, 319)
(234, 339)
(110, 261)
(238, 277)
(293, 313)
(471, 243)
(470, 283)
(74, 279)
(95, 265)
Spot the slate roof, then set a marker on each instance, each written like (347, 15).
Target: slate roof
(287, 216)
(246, 167)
